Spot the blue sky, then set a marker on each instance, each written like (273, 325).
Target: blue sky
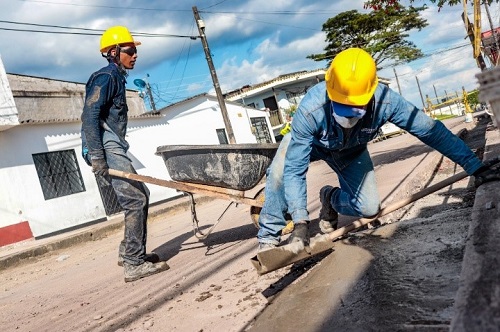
(250, 41)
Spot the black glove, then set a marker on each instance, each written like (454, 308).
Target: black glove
(300, 233)
(485, 174)
(100, 167)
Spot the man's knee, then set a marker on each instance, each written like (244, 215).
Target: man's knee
(369, 211)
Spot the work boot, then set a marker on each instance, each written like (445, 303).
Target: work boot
(152, 257)
(300, 233)
(136, 272)
(328, 217)
(266, 246)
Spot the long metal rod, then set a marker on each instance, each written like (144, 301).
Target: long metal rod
(212, 191)
(276, 258)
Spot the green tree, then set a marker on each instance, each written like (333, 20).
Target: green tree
(380, 33)
(472, 97)
(386, 4)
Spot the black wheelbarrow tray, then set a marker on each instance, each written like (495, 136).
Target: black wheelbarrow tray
(220, 171)
(234, 166)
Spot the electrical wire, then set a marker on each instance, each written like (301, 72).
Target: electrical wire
(92, 32)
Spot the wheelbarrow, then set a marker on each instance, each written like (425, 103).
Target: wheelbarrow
(219, 171)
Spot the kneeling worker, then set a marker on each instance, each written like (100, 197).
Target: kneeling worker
(334, 122)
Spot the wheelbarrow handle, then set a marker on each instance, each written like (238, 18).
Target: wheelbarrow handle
(212, 191)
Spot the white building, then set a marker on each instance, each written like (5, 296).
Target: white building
(48, 188)
(278, 96)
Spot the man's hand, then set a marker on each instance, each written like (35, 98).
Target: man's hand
(100, 167)
(485, 174)
(300, 233)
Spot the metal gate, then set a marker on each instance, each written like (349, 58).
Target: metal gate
(261, 130)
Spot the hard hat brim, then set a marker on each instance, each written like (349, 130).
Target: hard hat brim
(361, 100)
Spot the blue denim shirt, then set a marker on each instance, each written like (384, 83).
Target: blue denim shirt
(104, 117)
(315, 132)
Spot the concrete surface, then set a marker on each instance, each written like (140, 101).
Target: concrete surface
(408, 174)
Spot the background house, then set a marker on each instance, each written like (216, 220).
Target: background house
(47, 187)
(281, 95)
(278, 96)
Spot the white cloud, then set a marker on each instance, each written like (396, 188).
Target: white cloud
(251, 41)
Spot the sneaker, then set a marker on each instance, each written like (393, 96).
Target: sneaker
(328, 217)
(266, 246)
(152, 257)
(136, 272)
(300, 233)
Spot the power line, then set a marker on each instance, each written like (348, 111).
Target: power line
(284, 12)
(91, 32)
(107, 7)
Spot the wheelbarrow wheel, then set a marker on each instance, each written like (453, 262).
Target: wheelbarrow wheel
(255, 213)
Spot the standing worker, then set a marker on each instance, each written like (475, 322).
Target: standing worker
(334, 122)
(104, 126)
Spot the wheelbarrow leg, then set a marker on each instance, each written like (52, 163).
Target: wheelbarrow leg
(194, 218)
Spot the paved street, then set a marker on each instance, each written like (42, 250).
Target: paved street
(211, 285)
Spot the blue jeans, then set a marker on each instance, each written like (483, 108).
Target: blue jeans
(133, 197)
(358, 195)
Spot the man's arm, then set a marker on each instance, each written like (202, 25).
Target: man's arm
(296, 165)
(96, 100)
(431, 132)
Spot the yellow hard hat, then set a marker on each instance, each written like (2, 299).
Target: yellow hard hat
(352, 77)
(116, 35)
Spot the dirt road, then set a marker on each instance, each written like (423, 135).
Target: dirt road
(212, 286)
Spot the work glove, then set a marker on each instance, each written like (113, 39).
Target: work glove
(485, 174)
(300, 233)
(100, 167)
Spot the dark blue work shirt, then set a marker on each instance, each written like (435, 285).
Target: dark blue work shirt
(104, 117)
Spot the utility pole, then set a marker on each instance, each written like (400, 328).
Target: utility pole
(421, 96)
(150, 95)
(220, 98)
(397, 80)
(435, 92)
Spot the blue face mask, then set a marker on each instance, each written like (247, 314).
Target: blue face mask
(348, 111)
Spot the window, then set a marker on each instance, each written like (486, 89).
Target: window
(261, 131)
(59, 173)
(221, 134)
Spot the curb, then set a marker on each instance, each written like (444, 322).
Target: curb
(478, 296)
(91, 233)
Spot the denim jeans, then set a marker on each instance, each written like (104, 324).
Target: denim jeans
(358, 195)
(133, 197)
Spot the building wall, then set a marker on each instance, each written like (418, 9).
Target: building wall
(201, 116)
(21, 193)
(452, 109)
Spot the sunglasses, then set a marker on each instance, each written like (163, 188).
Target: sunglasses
(129, 50)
